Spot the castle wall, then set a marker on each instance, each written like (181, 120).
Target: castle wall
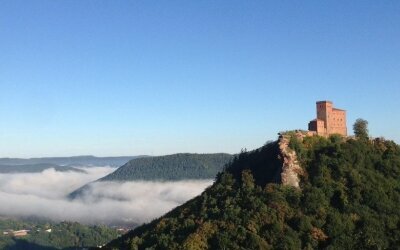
(329, 120)
(338, 122)
(321, 129)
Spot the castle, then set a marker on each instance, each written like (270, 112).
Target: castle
(329, 120)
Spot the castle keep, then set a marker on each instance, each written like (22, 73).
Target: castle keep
(329, 120)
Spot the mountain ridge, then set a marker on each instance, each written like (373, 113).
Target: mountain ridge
(72, 160)
(36, 168)
(175, 167)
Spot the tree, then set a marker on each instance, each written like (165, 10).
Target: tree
(247, 179)
(360, 128)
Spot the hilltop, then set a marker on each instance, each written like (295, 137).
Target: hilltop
(166, 168)
(300, 192)
(171, 167)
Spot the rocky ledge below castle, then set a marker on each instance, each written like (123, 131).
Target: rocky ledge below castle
(291, 169)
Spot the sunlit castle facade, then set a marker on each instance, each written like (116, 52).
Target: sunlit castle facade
(329, 120)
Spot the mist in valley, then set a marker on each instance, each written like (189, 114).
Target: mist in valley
(44, 195)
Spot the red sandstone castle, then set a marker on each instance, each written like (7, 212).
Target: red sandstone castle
(329, 120)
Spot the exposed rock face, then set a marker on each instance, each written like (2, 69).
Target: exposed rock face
(291, 170)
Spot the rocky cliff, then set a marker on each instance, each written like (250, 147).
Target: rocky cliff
(291, 169)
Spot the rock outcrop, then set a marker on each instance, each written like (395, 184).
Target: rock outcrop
(291, 170)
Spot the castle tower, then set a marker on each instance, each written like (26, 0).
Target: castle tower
(324, 109)
(329, 120)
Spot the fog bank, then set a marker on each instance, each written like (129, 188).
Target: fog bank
(44, 195)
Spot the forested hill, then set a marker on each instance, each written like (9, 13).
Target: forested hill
(348, 198)
(166, 168)
(171, 167)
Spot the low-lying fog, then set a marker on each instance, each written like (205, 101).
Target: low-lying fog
(45, 195)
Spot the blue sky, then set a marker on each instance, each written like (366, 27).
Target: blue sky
(159, 77)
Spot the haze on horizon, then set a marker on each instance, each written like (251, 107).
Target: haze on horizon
(111, 78)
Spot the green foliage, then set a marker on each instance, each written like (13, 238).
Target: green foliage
(349, 199)
(167, 168)
(171, 167)
(247, 180)
(263, 163)
(360, 128)
(62, 235)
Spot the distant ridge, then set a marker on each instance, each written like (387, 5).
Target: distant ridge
(89, 160)
(166, 168)
(35, 168)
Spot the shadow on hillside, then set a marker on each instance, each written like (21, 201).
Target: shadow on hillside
(265, 164)
(21, 244)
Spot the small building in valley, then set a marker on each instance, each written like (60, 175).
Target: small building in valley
(20, 233)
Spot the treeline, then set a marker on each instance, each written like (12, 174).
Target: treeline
(63, 235)
(349, 199)
(171, 167)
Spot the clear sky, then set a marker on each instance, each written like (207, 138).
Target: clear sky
(158, 77)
